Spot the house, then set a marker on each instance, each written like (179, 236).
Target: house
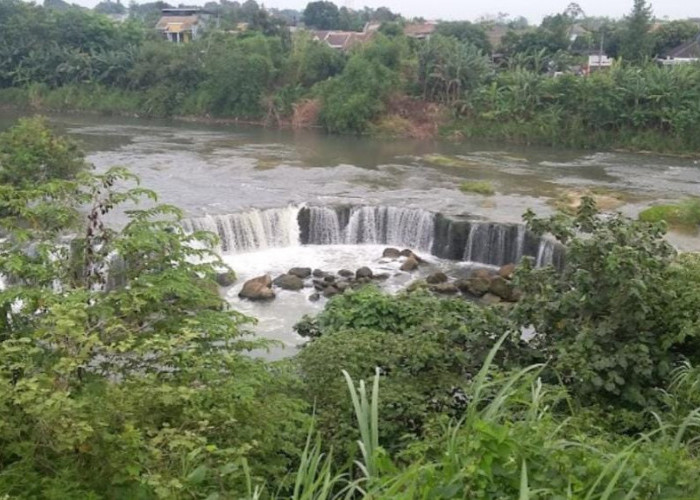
(420, 31)
(597, 62)
(345, 40)
(686, 53)
(182, 25)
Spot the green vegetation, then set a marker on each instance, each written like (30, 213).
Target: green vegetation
(124, 374)
(684, 214)
(72, 59)
(479, 187)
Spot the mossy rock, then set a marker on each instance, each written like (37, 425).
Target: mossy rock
(478, 187)
(685, 214)
(448, 161)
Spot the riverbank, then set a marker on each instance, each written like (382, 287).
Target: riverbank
(403, 117)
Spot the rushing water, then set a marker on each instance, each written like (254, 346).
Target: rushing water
(336, 200)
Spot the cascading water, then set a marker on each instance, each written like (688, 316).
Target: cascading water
(252, 230)
(479, 242)
(391, 226)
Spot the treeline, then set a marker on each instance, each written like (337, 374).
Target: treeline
(529, 88)
(141, 387)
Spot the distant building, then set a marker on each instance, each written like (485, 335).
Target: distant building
(420, 31)
(597, 62)
(182, 25)
(686, 53)
(342, 40)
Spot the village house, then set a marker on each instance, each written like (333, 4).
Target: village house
(686, 53)
(182, 25)
(420, 31)
(345, 40)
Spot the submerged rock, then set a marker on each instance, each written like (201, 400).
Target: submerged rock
(300, 272)
(315, 297)
(346, 273)
(317, 273)
(436, 278)
(391, 253)
(289, 282)
(482, 273)
(445, 288)
(364, 272)
(410, 264)
(381, 276)
(225, 278)
(257, 289)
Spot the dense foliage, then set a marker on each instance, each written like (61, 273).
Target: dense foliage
(253, 68)
(124, 374)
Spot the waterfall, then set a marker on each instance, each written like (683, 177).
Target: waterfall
(445, 237)
(408, 227)
(496, 244)
(324, 226)
(252, 230)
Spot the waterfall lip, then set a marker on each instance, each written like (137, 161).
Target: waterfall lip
(455, 237)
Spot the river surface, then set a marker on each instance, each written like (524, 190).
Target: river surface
(222, 169)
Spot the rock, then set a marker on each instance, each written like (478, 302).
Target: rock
(406, 252)
(329, 279)
(342, 286)
(445, 288)
(382, 276)
(416, 285)
(317, 273)
(300, 272)
(410, 264)
(474, 286)
(225, 278)
(391, 253)
(319, 284)
(364, 272)
(490, 299)
(507, 271)
(289, 282)
(330, 291)
(363, 281)
(257, 289)
(499, 286)
(346, 273)
(436, 278)
(482, 273)
(315, 297)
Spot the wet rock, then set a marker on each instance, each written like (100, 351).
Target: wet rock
(410, 264)
(407, 252)
(445, 288)
(507, 271)
(490, 299)
(257, 289)
(436, 278)
(289, 282)
(300, 272)
(391, 253)
(416, 285)
(382, 276)
(500, 287)
(482, 273)
(330, 291)
(342, 286)
(329, 279)
(319, 284)
(363, 272)
(474, 286)
(317, 273)
(346, 273)
(225, 278)
(315, 297)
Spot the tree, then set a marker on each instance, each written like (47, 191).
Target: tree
(31, 154)
(133, 387)
(321, 15)
(465, 31)
(671, 35)
(619, 316)
(636, 43)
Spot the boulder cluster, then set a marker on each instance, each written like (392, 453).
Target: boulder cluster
(326, 284)
(489, 286)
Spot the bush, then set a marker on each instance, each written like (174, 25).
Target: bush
(479, 187)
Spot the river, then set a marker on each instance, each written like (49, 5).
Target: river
(210, 170)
